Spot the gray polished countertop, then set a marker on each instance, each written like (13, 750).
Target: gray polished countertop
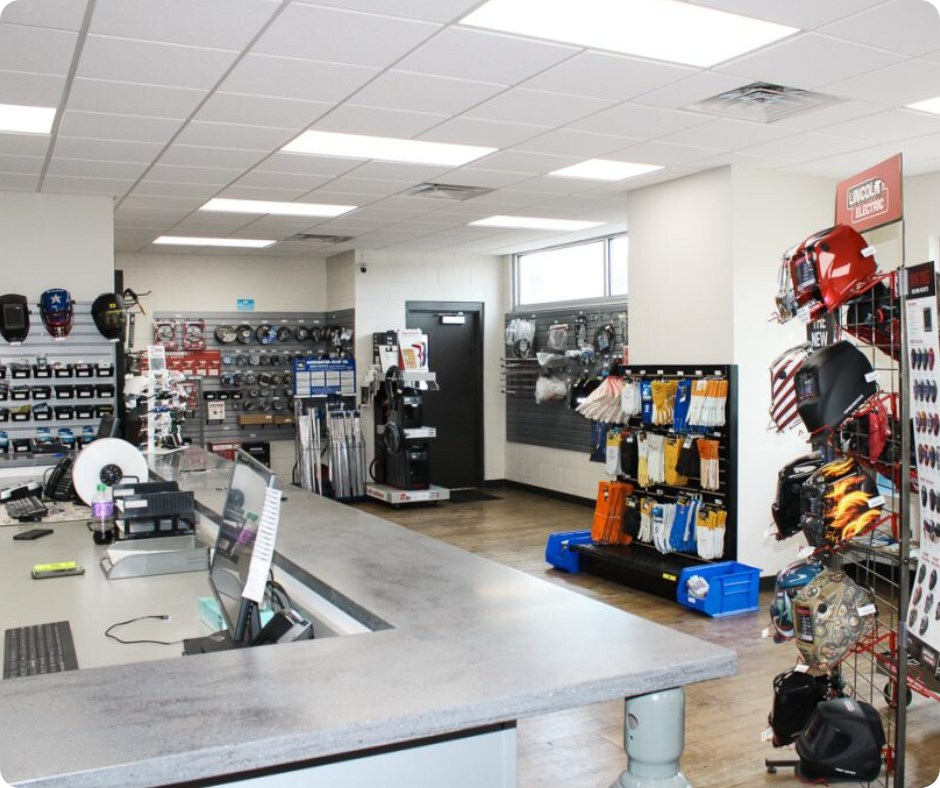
(460, 642)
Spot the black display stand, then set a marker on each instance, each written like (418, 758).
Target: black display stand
(639, 565)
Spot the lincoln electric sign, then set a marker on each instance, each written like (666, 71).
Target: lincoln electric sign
(871, 198)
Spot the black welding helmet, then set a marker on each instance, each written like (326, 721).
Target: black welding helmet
(841, 742)
(108, 312)
(786, 508)
(832, 384)
(55, 309)
(14, 318)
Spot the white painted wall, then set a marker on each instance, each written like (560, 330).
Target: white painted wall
(680, 270)
(212, 283)
(921, 217)
(392, 278)
(770, 212)
(56, 241)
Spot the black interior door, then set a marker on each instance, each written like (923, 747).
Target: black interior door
(455, 354)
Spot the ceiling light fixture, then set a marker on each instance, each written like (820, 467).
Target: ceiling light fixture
(181, 240)
(26, 120)
(668, 30)
(605, 170)
(360, 146)
(928, 105)
(277, 208)
(534, 223)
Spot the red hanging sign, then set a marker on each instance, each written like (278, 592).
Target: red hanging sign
(872, 198)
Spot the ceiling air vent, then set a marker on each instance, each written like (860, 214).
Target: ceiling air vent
(446, 191)
(763, 102)
(321, 239)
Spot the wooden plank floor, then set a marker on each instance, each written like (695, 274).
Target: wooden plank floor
(582, 748)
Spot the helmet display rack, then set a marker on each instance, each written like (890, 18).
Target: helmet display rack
(640, 564)
(881, 438)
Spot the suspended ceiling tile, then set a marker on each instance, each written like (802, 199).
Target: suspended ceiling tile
(806, 147)
(159, 205)
(18, 181)
(483, 177)
(207, 156)
(897, 85)
(283, 77)
(747, 159)
(282, 180)
(576, 143)
(726, 134)
(31, 89)
(919, 148)
(36, 49)
(24, 165)
(607, 76)
(394, 173)
(666, 154)
(488, 133)
(176, 173)
(690, 90)
(844, 165)
(261, 111)
(60, 14)
(455, 52)
(911, 28)
(424, 93)
(106, 150)
(24, 144)
(523, 161)
(152, 63)
(539, 107)
(95, 95)
(338, 36)
(260, 193)
(220, 24)
(633, 120)
(91, 168)
(230, 135)
(306, 165)
(196, 191)
(819, 119)
(61, 184)
(885, 127)
(109, 126)
(808, 61)
(378, 121)
(796, 13)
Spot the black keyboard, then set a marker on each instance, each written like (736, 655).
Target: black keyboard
(28, 509)
(38, 649)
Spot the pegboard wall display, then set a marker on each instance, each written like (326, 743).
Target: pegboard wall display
(55, 389)
(245, 361)
(554, 354)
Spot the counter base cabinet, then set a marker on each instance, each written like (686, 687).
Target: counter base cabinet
(467, 760)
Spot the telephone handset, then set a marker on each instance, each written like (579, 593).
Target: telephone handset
(58, 484)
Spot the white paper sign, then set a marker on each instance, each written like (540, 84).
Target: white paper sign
(263, 550)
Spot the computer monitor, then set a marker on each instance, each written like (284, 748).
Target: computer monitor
(241, 516)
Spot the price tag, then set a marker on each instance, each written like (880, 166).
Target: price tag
(806, 551)
(876, 501)
(765, 632)
(801, 668)
(767, 734)
(867, 610)
(871, 377)
(770, 532)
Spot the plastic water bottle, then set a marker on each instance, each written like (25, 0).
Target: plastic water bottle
(102, 513)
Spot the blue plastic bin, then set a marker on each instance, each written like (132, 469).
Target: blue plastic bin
(558, 550)
(732, 588)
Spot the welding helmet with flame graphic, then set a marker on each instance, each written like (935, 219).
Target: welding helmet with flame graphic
(839, 502)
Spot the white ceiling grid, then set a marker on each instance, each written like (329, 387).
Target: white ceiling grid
(163, 104)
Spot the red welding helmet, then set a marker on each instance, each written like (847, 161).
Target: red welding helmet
(844, 264)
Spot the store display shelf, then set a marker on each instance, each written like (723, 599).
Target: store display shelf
(637, 566)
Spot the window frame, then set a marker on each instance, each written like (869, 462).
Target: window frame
(603, 300)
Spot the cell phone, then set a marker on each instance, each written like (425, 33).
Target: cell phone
(62, 569)
(35, 533)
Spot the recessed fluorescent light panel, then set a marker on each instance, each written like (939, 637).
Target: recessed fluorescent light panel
(930, 105)
(605, 170)
(26, 120)
(534, 223)
(668, 30)
(359, 146)
(276, 208)
(181, 240)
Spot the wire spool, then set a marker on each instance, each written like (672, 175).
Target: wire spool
(264, 359)
(393, 436)
(226, 335)
(245, 334)
(266, 334)
(106, 461)
(302, 334)
(284, 334)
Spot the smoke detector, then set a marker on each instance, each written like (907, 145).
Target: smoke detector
(763, 102)
(446, 191)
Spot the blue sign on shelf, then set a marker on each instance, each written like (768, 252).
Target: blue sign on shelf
(245, 304)
(315, 378)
